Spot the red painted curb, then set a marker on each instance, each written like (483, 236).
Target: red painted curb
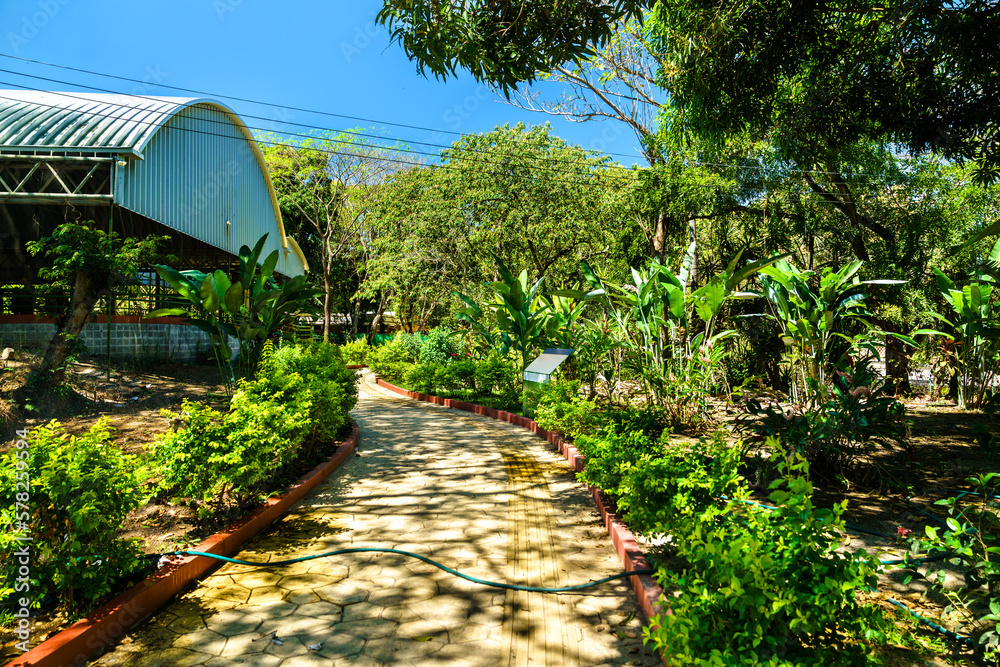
(77, 643)
(646, 589)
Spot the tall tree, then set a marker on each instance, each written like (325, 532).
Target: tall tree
(503, 42)
(816, 77)
(520, 193)
(920, 73)
(327, 186)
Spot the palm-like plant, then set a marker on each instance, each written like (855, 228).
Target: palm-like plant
(655, 314)
(974, 330)
(251, 310)
(520, 313)
(812, 320)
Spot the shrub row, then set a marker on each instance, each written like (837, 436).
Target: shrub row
(747, 585)
(71, 494)
(301, 395)
(62, 500)
(432, 366)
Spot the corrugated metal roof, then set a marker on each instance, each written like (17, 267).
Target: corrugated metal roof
(59, 122)
(201, 171)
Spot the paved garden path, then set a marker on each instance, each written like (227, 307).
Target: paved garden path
(481, 496)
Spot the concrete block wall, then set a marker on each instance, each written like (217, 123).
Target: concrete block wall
(156, 342)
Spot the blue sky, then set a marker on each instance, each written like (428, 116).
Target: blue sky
(327, 56)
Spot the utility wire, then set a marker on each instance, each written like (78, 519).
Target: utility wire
(262, 118)
(333, 130)
(324, 113)
(589, 175)
(586, 177)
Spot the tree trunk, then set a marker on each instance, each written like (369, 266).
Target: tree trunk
(377, 319)
(692, 237)
(85, 295)
(326, 307)
(355, 318)
(897, 365)
(660, 237)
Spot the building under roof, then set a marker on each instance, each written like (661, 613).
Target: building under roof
(183, 167)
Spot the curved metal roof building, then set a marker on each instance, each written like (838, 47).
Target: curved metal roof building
(185, 164)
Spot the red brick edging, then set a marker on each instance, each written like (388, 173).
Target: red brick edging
(77, 643)
(646, 589)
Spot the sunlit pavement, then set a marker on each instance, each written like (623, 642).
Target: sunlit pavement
(483, 497)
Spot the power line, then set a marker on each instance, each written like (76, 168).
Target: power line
(257, 102)
(228, 97)
(313, 111)
(806, 197)
(589, 175)
(397, 149)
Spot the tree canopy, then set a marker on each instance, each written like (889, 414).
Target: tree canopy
(521, 194)
(812, 78)
(503, 42)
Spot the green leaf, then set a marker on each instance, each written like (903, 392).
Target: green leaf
(709, 298)
(182, 284)
(591, 276)
(944, 283)
(268, 267)
(990, 230)
(209, 298)
(168, 312)
(234, 298)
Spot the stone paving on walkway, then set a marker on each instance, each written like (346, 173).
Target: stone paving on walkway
(483, 497)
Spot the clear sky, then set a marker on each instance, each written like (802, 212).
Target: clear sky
(311, 54)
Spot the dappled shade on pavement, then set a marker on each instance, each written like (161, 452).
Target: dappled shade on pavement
(480, 496)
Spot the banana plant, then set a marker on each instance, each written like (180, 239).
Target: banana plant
(212, 297)
(656, 312)
(251, 310)
(478, 321)
(812, 320)
(520, 314)
(975, 332)
(564, 315)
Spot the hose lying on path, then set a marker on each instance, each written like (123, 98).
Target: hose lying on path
(577, 587)
(467, 577)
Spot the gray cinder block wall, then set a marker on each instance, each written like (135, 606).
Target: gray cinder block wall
(155, 342)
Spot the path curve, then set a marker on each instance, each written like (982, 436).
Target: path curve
(481, 496)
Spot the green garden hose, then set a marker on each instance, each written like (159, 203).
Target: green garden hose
(475, 580)
(569, 589)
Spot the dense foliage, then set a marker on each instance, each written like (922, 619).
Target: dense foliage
(749, 585)
(971, 536)
(250, 310)
(80, 491)
(93, 261)
(301, 395)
